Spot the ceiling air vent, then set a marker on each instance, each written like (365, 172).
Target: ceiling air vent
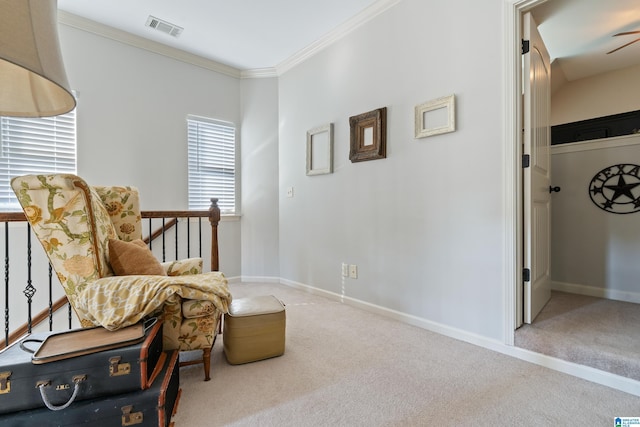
(164, 26)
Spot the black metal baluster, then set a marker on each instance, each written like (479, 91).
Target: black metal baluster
(6, 284)
(188, 238)
(50, 298)
(176, 239)
(200, 237)
(150, 234)
(164, 258)
(29, 290)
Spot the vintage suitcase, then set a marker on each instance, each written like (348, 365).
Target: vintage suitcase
(152, 407)
(67, 381)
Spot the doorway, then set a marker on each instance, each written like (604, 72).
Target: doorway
(514, 198)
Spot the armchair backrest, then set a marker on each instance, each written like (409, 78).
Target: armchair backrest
(73, 223)
(123, 206)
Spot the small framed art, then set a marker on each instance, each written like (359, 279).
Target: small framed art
(368, 136)
(435, 117)
(320, 150)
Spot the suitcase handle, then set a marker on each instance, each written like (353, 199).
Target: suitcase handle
(149, 323)
(27, 349)
(77, 379)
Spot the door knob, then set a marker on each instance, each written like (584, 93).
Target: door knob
(554, 189)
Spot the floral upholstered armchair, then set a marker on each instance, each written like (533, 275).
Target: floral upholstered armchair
(80, 228)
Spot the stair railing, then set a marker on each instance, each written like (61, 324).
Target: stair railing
(27, 271)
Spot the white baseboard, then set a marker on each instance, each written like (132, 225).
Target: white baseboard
(587, 373)
(255, 279)
(260, 279)
(593, 291)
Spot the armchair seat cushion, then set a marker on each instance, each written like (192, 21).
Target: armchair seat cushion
(183, 267)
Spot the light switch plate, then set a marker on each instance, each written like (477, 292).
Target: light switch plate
(353, 271)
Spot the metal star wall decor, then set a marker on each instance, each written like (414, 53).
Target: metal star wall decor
(616, 189)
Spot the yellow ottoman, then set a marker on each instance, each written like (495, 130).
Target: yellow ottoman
(254, 329)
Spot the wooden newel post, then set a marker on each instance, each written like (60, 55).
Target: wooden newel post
(214, 219)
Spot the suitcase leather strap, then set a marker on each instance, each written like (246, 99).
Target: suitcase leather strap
(41, 385)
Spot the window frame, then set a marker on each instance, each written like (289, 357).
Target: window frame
(35, 145)
(224, 159)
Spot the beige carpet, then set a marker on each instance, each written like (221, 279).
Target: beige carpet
(596, 332)
(348, 367)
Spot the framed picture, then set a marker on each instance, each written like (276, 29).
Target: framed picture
(320, 150)
(368, 136)
(435, 117)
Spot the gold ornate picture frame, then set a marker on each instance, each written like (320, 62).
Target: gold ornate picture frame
(368, 136)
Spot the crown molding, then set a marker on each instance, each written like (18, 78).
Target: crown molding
(259, 73)
(341, 31)
(94, 27)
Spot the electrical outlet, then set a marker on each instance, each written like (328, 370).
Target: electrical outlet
(353, 271)
(289, 191)
(345, 269)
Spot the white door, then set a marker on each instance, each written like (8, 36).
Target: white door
(537, 198)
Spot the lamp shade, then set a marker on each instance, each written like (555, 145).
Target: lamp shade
(33, 82)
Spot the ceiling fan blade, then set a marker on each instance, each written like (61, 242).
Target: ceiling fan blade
(624, 45)
(626, 33)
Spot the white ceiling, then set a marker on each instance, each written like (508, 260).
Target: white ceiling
(258, 34)
(578, 34)
(244, 34)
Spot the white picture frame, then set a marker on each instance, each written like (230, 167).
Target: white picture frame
(435, 117)
(320, 150)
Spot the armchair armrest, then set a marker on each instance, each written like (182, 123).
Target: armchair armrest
(183, 267)
(192, 308)
(118, 301)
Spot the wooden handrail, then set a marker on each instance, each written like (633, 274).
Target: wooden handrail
(174, 214)
(12, 217)
(214, 218)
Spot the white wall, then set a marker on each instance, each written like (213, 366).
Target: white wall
(425, 225)
(593, 252)
(259, 159)
(132, 111)
(602, 95)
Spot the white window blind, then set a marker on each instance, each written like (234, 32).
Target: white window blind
(34, 145)
(212, 163)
